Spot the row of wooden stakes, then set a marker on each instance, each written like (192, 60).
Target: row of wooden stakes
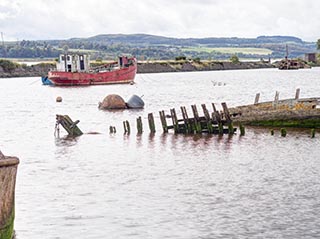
(214, 123)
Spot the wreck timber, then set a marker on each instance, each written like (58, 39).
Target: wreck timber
(304, 112)
(8, 172)
(66, 122)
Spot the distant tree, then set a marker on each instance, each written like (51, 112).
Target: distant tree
(234, 59)
(197, 59)
(318, 44)
(7, 66)
(181, 58)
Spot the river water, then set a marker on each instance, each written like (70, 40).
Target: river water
(162, 185)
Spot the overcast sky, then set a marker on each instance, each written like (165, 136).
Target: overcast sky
(63, 19)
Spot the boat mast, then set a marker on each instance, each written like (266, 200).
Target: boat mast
(287, 51)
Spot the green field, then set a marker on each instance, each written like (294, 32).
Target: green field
(230, 50)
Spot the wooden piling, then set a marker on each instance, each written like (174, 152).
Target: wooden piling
(139, 125)
(187, 124)
(174, 120)
(283, 132)
(313, 133)
(272, 132)
(127, 126)
(110, 129)
(8, 173)
(208, 118)
(197, 123)
(228, 118)
(242, 130)
(276, 99)
(70, 126)
(151, 123)
(297, 94)
(216, 114)
(256, 100)
(163, 121)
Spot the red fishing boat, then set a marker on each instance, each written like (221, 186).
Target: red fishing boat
(74, 69)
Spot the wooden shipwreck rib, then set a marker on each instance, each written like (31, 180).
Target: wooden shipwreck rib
(296, 112)
(70, 126)
(209, 123)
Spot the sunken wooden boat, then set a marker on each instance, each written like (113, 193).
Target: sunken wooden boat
(295, 112)
(74, 70)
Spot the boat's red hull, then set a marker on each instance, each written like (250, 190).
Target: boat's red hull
(124, 75)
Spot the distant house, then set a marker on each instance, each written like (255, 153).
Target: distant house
(310, 57)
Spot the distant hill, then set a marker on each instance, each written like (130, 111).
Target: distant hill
(144, 46)
(143, 39)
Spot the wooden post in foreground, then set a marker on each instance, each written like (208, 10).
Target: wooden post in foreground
(8, 173)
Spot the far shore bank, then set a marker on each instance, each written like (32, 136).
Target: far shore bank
(42, 69)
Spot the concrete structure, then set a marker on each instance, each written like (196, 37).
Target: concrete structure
(8, 172)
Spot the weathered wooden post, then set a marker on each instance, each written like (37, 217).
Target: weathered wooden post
(127, 126)
(151, 123)
(112, 129)
(272, 132)
(242, 130)
(139, 125)
(276, 99)
(297, 94)
(196, 119)
(8, 173)
(313, 133)
(70, 126)
(228, 118)
(283, 132)
(217, 117)
(256, 100)
(188, 126)
(174, 120)
(208, 118)
(163, 121)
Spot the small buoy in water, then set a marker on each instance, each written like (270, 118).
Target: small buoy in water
(135, 102)
(59, 99)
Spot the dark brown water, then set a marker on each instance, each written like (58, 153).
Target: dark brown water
(160, 186)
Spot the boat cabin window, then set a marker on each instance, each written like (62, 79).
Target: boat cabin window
(68, 58)
(81, 62)
(62, 58)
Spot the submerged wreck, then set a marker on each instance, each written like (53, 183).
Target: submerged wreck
(296, 112)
